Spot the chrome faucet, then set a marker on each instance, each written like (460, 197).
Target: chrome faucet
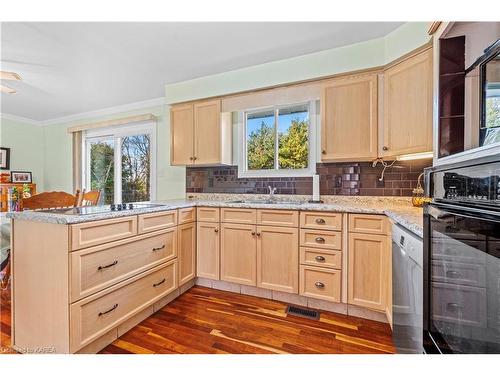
(271, 193)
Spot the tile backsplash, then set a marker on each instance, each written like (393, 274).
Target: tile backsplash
(348, 178)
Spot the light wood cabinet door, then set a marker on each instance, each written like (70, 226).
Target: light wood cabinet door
(408, 106)
(181, 134)
(186, 242)
(207, 129)
(238, 262)
(278, 258)
(349, 112)
(208, 250)
(367, 270)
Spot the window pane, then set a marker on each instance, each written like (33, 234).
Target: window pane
(136, 168)
(293, 137)
(102, 169)
(260, 140)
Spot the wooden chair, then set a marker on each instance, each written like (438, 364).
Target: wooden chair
(88, 198)
(47, 200)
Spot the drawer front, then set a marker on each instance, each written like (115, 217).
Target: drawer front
(322, 283)
(370, 224)
(95, 315)
(320, 220)
(320, 239)
(459, 273)
(101, 266)
(321, 258)
(102, 231)
(208, 214)
(239, 215)
(187, 215)
(157, 221)
(280, 218)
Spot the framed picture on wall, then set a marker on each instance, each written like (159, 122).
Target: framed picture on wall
(20, 177)
(4, 158)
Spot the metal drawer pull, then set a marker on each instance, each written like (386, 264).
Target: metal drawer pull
(159, 283)
(108, 311)
(107, 266)
(320, 239)
(319, 258)
(216, 230)
(454, 274)
(253, 233)
(319, 284)
(454, 307)
(158, 248)
(258, 234)
(320, 221)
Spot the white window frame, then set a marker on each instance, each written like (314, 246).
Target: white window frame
(117, 133)
(243, 170)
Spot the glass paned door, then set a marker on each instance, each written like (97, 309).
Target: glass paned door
(101, 155)
(135, 168)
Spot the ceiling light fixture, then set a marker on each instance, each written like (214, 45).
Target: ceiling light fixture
(420, 155)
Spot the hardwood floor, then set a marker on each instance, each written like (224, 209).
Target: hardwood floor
(5, 325)
(205, 320)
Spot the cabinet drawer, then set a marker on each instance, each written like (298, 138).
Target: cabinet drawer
(322, 283)
(322, 258)
(95, 315)
(320, 239)
(157, 221)
(458, 273)
(187, 215)
(280, 218)
(239, 215)
(370, 224)
(102, 231)
(320, 220)
(209, 214)
(101, 266)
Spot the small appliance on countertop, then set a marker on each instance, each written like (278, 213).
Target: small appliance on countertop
(462, 258)
(92, 210)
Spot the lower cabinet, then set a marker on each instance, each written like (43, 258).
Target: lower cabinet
(207, 250)
(186, 242)
(278, 258)
(367, 270)
(238, 254)
(322, 283)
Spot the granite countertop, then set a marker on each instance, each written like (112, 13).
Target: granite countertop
(398, 210)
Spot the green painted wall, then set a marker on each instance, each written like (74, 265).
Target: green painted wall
(26, 145)
(170, 181)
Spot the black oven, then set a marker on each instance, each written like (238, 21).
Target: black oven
(462, 258)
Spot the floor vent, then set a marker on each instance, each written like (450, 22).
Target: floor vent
(302, 312)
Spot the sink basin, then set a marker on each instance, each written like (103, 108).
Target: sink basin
(262, 201)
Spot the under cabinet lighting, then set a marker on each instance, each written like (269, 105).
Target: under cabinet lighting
(420, 155)
(10, 76)
(7, 90)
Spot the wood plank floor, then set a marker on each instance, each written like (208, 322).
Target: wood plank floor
(204, 320)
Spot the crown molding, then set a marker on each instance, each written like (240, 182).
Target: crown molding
(20, 119)
(106, 111)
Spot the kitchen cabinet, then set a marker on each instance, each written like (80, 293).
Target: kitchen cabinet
(208, 250)
(367, 270)
(349, 112)
(186, 242)
(238, 262)
(320, 283)
(278, 258)
(200, 134)
(407, 126)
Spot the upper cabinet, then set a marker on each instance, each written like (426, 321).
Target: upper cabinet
(407, 112)
(349, 119)
(200, 134)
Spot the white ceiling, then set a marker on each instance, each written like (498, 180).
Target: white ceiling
(70, 68)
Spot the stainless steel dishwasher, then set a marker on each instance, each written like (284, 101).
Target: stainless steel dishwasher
(407, 291)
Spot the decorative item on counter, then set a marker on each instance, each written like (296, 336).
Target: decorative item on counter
(315, 197)
(14, 199)
(26, 191)
(418, 199)
(5, 177)
(22, 177)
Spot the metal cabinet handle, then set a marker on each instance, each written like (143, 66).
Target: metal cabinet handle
(323, 152)
(191, 158)
(108, 311)
(320, 258)
(319, 284)
(216, 230)
(454, 307)
(194, 158)
(158, 248)
(107, 266)
(453, 274)
(258, 234)
(385, 148)
(159, 283)
(320, 221)
(253, 233)
(319, 239)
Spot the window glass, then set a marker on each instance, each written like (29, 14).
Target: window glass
(260, 138)
(102, 154)
(293, 137)
(136, 168)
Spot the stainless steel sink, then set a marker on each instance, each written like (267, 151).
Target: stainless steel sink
(262, 201)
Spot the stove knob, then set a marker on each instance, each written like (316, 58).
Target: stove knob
(130, 206)
(113, 207)
(119, 207)
(124, 206)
